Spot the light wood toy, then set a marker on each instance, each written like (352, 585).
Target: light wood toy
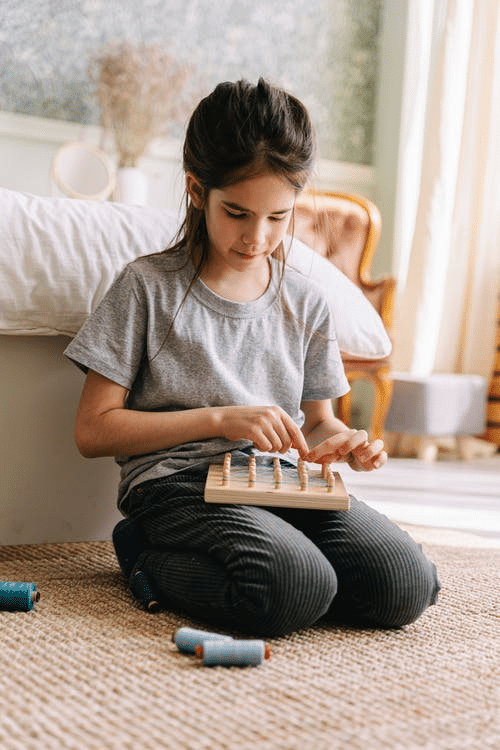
(276, 485)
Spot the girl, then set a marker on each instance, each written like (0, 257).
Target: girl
(216, 345)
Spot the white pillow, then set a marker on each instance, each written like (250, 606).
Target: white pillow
(58, 256)
(360, 331)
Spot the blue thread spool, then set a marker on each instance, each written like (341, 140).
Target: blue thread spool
(143, 590)
(187, 639)
(18, 597)
(233, 654)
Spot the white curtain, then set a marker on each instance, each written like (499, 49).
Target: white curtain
(447, 227)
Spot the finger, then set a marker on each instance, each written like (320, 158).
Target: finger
(284, 440)
(325, 458)
(265, 428)
(262, 444)
(267, 442)
(296, 436)
(334, 448)
(369, 451)
(272, 441)
(373, 460)
(357, 441)
(275, 443)
(277, 432)
(322, 455)
(380, 460)
(355, 450)
(300, 444)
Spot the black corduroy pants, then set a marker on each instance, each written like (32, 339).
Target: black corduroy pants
(270, 571)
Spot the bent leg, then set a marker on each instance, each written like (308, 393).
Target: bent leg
(384, 578)
(238, 566)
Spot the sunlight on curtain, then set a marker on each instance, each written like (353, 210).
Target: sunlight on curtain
(447, 229)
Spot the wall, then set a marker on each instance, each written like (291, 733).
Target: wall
(28, 146)
(326, 52)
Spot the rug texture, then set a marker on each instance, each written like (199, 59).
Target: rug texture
(87, 669)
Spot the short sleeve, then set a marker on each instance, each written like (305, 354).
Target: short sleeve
(324, 375)
(112, 339)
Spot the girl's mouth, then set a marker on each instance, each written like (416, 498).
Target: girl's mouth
(249, 256)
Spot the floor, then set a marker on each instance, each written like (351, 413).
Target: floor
(451, 494)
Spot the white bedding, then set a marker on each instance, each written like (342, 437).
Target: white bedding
(58, 256)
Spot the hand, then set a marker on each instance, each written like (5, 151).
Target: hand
(269, 428)
(353, 447)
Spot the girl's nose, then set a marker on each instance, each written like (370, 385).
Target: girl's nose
(254, 234)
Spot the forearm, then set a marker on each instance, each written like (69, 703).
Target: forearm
(106, 427)
(126, 432)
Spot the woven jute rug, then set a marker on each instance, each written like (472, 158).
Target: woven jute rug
(87, 669)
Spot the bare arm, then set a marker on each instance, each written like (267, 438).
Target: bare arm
(105, 427)
(331, 440)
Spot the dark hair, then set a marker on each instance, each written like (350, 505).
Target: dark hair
(236, 132)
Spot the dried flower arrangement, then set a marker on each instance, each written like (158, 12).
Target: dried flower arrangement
(140, 90)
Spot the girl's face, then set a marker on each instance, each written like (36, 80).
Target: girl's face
(245, 222)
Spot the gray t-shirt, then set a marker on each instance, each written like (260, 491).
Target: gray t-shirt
(175, 352)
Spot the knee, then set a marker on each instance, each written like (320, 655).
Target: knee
(291, 591)
(400, 588)
(418, 587)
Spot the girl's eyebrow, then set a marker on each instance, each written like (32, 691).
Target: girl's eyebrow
(236, 207)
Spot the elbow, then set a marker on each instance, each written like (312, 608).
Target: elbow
(85, 449)
(87, 452)
(86, 443)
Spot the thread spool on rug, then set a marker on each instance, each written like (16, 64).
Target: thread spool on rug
(233, 653)
(143, 591)
(18, 596)
(187, 639)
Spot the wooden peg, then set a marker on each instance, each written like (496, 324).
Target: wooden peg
(278, 474)
(303, 474)
(330, 480)
(252, 471)
(226, 470)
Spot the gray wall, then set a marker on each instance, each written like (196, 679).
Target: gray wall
(325, 51)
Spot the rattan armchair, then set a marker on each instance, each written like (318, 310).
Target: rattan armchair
(346, 229)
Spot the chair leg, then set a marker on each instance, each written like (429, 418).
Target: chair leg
(344, 409)
(382, 383)
(382, 398)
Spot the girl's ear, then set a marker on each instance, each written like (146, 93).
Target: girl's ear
(195, 190)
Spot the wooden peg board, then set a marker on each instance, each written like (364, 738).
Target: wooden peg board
(234, 485)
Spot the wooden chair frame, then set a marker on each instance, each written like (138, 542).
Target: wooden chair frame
(380, 292)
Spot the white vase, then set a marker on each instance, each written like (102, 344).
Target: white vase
(131, 186)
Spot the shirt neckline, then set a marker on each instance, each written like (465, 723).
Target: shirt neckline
(231, 308)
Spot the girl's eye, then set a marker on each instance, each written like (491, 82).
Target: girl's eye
(237, 215)
(234, 215)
